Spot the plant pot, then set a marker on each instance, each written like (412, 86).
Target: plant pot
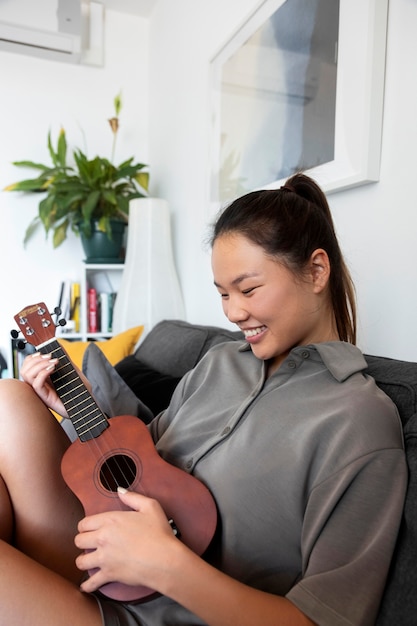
(100, 249)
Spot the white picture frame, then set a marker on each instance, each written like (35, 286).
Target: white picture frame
(359, 96)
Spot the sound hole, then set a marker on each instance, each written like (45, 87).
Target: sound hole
(118, 471)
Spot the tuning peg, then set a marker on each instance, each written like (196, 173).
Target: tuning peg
(57, 312)
(21, 344)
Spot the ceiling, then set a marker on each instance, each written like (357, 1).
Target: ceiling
(142, 8)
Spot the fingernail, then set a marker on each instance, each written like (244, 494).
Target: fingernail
(121, 490)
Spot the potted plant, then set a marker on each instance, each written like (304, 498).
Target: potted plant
(90, 195)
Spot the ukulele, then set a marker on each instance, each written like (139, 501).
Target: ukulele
(118, 452)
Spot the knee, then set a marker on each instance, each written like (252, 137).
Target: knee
(15, 396)
(22, 411)
(12, 388)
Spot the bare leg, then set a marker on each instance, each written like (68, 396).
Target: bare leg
(31, 595)
(38, 516)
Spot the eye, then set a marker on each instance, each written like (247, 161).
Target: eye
(248, 291)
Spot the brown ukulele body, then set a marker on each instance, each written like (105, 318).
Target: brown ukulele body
(125, 455)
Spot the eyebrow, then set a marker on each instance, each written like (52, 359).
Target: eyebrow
(240, 278)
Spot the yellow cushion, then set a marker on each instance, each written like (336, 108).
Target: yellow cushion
(114, 349)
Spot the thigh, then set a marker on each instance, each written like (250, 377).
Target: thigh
(32, 594)
(45, 512)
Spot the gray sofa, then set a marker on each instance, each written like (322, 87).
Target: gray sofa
(143, 383)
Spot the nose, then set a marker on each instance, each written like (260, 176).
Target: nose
(234, 310)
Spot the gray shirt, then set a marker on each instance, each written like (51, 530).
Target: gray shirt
(308, 472)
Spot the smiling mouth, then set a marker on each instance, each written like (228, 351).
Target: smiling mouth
(253, 332)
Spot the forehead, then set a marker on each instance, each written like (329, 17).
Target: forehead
(235, 257)
(235, 247)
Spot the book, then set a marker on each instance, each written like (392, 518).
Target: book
(104, 311)
(92, 311)
(112, 300)
(75, 305)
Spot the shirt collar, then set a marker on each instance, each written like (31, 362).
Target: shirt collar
(342, 359)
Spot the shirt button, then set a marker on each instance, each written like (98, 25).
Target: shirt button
(226, 431)
(189, 464)
(292, 364)
(305, 354)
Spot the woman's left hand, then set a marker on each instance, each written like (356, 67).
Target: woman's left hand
(130, 547)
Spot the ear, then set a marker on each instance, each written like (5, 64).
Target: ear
(319, 270)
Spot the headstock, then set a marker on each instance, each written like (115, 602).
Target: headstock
(36, 324)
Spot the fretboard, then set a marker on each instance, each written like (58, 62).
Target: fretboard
(87, 418)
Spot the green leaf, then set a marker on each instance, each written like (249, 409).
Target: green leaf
(123, 205)
(47, 212)
(143, 179)
(118, 104)
(60, 234)
(52, 153)
(62, 148)
(32, 184)
(110, 197)
(104, 225)
(31, 229)
(126, 164)
(128, 171)
(90, 204)
(31, 164)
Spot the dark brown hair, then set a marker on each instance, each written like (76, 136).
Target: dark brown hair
(290, 223)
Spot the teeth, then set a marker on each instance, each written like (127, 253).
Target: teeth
(253, 332)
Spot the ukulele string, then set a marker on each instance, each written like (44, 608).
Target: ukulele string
(122, 474)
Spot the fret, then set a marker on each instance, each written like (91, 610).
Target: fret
(86, 416)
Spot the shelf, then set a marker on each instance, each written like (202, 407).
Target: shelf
(103, 278)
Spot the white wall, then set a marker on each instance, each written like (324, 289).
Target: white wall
(377, 223)
(36, 96)
(167, 103)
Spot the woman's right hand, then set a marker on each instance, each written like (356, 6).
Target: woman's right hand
(35, 371)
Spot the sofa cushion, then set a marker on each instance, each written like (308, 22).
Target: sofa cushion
(152, 387)
(398, 379)
(174, 347)
(114, 348)
(111, 393)
(399, 603)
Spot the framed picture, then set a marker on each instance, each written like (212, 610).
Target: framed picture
(299, 87)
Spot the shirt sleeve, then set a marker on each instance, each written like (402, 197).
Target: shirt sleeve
(349, 533)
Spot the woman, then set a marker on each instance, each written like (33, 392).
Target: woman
(302, 452)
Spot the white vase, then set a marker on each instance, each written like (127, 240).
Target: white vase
(149, 291)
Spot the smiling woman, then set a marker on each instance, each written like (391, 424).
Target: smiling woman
(252, 298)
(301, 451)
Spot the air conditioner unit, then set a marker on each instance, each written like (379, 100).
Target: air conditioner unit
(74, 32)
